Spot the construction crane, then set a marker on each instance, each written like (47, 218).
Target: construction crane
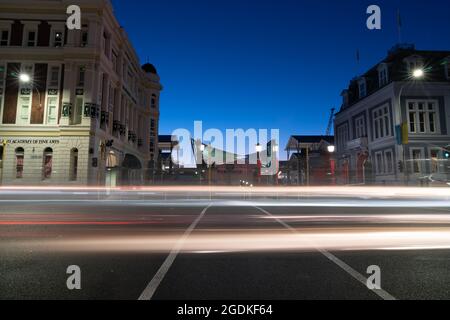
(330, 122)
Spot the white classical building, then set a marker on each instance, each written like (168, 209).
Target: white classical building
(394, 124)
(76, 107)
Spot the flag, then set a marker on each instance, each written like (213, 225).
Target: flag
(405, 133)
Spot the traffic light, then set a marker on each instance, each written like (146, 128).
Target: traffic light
(401, 166)
(447, 154)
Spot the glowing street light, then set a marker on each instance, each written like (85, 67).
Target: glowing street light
(25, 78)
(418, 73)
(331, 149)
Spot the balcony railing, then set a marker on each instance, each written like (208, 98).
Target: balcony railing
(358, 144)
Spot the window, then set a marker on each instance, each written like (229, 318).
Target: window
(383, 75)
(111, 102)
(54, 77)
(417, 160)
(57, 39)
(47, 164)
(20, 155)
(2, 77)
(362, 88)
(381, 122)
(31, 38)
(52, 107)
(106, 42)
(24, 109)
(389, 160)
(435, 157)
(4, 38)
(379, 162)
(74, 164)
(81, 76)
(84, 37)
(114, 60)
(343, 137)
(423, 117)
(153, 101)
(360, 127)
(76, 119)
(152, 127)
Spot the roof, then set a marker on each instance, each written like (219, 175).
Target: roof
(434, 62)
(313, 139)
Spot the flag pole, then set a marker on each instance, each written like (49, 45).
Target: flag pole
(399, 26)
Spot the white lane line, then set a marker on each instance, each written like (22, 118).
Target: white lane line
(159, 276)
(352, 272)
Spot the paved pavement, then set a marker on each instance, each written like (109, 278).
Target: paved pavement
(199, 248)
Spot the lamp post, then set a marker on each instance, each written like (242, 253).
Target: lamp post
(275, 150)
(331, 150)
(416, 74)
(200, 172)
(258, 149)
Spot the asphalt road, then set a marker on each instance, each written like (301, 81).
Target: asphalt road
(195, 248)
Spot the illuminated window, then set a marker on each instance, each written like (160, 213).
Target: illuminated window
(435, 157)
(47, 166)
(52, 107)
(20, 156)
(417, 160)
(58, 39)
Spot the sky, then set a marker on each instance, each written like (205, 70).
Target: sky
(268, 64)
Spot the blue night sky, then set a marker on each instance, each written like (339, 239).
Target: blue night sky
(271, 64)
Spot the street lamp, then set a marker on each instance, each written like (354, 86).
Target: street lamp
(331, 149)
(25, 78)
(258, 149)
(418, 73)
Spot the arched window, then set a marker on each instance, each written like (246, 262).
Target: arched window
(47, 164)
(74, 164)
(20, 155)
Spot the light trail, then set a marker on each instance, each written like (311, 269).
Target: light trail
(238, 241)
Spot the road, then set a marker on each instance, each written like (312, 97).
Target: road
(226, 244)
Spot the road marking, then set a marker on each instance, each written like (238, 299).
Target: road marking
(352, 272)
(159, 276)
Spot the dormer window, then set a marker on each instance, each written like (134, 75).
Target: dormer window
(362, 85)
(413, 63)
(383, 75)
(447, 68)
(345, 98)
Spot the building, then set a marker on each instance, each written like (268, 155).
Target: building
(394, 123)
(310, 160)
(76, 107)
